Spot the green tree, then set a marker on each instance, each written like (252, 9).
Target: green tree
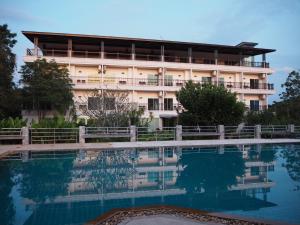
(46, 86)
(209, 104)
(292, 86)
(8, 91)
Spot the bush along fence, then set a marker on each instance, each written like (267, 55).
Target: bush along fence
(82, 134)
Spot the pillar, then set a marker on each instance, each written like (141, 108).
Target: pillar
(102, 49)
(70, 47)
(257, 131)
(190, 55)
(162, 52)
(81, 134)
(35, 44)
(221, 131)
(25, 135)
(132, 133)
(291, 128)
(216, 56)
(133, 51)
(178, 132)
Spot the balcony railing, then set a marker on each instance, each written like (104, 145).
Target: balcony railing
(85, 80)
(159, 107)
(144, 57)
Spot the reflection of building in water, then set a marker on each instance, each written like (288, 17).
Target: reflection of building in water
(255, 179)
(104, 180)
(111, 172)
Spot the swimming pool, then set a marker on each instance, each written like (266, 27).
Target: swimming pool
(73, 187)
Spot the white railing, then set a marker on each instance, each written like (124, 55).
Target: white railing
(10, 133)
(98, 132)
(164, 134)
(199, 130)
(53, 135)
(239, 132)
(274, 129)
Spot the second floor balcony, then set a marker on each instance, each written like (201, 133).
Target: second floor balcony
(151, 82)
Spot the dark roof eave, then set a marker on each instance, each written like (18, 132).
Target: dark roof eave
(58, 37)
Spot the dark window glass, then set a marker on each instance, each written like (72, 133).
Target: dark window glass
(153, 104)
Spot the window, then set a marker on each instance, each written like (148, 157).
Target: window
(152, 176)
(254, 171)
(168, 175)
(95, 103)
(221, 81)
(254, 105)
(168, 80)
(152, 80)
(254, 83)
(153, 153)
(153, 104)
(168, 103)
(169, 153)
(206, 80)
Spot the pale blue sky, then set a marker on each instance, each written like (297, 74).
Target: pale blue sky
(271, 23)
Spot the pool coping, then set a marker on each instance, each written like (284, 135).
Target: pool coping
(121, 215)
(8, 149)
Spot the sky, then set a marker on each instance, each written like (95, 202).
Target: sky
(273, 24)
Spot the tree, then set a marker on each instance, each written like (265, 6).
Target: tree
(46, 86)
(110, 108)
(292, 86)
(208, 104)
(8, 92)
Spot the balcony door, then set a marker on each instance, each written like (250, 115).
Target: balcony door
(254, 105)
(168, 104)
(153, 104)
(152, 79)
(168, 80)
(254, 83)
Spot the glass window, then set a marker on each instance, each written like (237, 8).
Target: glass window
(152, 80)
(168, 80)
(168, 103)
(206, 80)
(168, 175)
(169, 153)
(254, 83)
(152, 176)
(153, 104)
(254, 105)
(153, 153)
(221, 81)
(254, 171)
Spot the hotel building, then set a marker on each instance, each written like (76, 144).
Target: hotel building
(151, 71)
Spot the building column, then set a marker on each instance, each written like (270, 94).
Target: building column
(102, 49)
(216, 56)
(221, 131)
(25, 135)
(133, 51)
(132, 133)
(70, 47)
(190, 53)
(162, 53)
(178, 132)
(35, 45)
(258, 131)
(81, 134)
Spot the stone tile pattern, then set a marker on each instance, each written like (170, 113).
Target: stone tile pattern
(117, 217)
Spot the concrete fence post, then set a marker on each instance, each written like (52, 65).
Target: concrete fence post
(81, 134)
(25, 135)
(291, 128)
(221, 131)
(178, 132)
(257, 131)
(132, 133)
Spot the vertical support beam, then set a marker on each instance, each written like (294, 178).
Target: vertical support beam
(221, 131)
(81, 134)
(35, 45)
(162, 53)
(190, 53)
(178, 132)
(70, 47)
(25, 135)
(133, 51)
(132, 133)
(257, 131)
(242, 80)
(291, 128)
(241, 58)
(216, 56)
(102, 49)
(264, 60)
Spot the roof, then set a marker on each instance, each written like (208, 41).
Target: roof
(245, 49)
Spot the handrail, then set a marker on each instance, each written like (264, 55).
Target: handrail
(141, 56)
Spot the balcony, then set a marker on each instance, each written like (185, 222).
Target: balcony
(175, 83)
(159, 107)
(142, 57)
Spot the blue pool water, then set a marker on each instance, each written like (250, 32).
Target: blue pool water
(73, 187)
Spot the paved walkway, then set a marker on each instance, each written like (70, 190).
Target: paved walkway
(164, 220)
(7, 149)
